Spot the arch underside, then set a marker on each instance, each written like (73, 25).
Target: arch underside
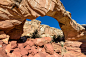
(13, 19)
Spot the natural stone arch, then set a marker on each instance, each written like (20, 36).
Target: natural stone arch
(13, 17)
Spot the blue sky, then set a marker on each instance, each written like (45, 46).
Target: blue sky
(77, 8)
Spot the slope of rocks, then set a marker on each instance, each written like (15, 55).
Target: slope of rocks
(43, 30)
(41, 47)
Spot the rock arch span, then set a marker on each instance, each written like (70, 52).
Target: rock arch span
(13, 15)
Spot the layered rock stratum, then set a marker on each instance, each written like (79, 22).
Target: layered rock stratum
(13, 14)
(43, 30)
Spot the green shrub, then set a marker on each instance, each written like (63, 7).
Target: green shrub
(35, 34)
(54, 38)
(58, 38)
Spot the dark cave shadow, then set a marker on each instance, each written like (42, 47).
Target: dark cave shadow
(22, 39)
(83, 47)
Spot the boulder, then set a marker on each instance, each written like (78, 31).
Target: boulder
(39, 41)
(24, 51)
(49, 48)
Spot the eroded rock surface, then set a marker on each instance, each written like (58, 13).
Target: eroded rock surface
(71, 49)
(39, 47)
(43, 30)
(14, 13)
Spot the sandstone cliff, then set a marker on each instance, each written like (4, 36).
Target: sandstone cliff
(43, 30)
(13, 14)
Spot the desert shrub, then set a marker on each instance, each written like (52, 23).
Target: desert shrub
(54, 38)
(58, 38)
(35, 34)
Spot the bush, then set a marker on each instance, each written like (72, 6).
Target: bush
(58, 38)
(35, 34)
(54, 38)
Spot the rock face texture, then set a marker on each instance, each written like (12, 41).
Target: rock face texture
(41, 47)
(84, 25)
(43, 30)
(14, 13)
(71, 49)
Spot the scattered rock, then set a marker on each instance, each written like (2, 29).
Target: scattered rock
(30, 43)
(2, 35)
(1, 43)
(13, 44)
(49, 48)
(8, 48)
(21, 45)
(24, 51)
(17, 54)
(39, 41)
(14, 49)
(48, 39)
(6, 40)
(28, 47)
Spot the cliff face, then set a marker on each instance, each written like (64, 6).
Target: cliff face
(43, 30)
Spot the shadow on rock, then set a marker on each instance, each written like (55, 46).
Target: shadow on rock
(83, 48)
(58, 38)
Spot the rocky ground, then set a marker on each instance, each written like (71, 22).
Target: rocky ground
(42, 47)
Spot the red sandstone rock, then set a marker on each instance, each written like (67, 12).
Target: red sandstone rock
(8, 48)
(6, 39)
(37, 55)
(24, 51)
(2, 35)
(56, 55)
(57, 47)
(13, 44)
(30, 55)
(2, 53)
(69, 55)
(10, 55)
(20, 45)
(27, 47)
(42, 54)
(40, 49)
(49, 48)
(17, 54)
(48, 55)
(34, 51)
(1, 44)
(17, 49)
(25, 56)
(29, 43)
(39, 41)
(30, 51)
(4, 46)
(48, 39)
